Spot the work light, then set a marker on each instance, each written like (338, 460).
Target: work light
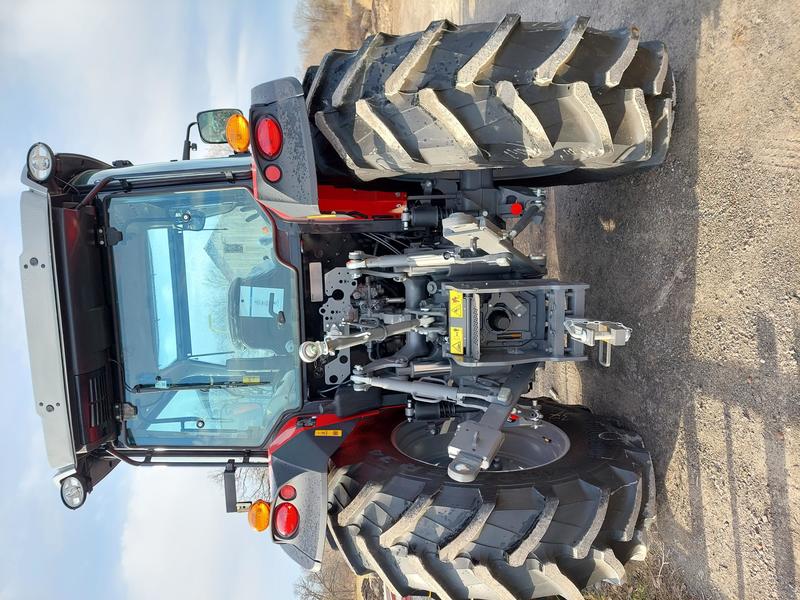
(40, 162)
(73, 492)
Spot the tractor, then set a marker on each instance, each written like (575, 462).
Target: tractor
(340, 301)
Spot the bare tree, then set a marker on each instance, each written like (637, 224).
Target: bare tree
(334, 581)
(252, 483)
(328, 24)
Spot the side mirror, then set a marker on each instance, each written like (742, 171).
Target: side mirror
(211, 124)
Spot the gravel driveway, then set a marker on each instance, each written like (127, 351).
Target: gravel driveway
(702, 259)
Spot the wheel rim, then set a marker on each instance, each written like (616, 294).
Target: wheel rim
(523, 448)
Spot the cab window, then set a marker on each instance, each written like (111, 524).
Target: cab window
(207, 317)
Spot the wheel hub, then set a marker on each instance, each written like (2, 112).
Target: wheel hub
(523, 447)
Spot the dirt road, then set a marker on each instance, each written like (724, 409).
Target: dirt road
(702, 259)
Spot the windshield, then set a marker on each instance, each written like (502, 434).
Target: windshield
(207, 319)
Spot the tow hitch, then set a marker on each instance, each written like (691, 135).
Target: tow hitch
(604, 333)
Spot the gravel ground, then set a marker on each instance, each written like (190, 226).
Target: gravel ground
(701, 258)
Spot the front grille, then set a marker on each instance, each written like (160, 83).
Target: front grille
(99, 402)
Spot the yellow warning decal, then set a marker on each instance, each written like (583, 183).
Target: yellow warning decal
(456, 340)
(456, 304)
(328, 432)
(251, 379)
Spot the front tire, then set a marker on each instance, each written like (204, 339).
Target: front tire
(525, 533)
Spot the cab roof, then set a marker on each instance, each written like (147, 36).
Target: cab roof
(175, 166)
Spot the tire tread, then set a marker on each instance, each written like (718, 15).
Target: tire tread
(422, 533)
(431, 101)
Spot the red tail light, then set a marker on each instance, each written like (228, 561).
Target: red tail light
(269, 137)
(287, 520)
(287, 492)
(273, 173)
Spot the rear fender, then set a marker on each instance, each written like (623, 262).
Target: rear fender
(299, 457)
(295, 192)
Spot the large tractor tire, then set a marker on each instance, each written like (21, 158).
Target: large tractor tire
(517, 532)
(560, 101)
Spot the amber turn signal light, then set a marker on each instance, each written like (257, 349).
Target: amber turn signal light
(237, 133)
(258, 515)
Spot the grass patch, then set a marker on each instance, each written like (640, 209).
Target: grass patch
(653, 579)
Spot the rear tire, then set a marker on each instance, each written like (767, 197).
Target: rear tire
(556, 100)
(517, 534)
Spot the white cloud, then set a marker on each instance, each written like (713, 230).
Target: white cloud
(178, 542)
(120, 80)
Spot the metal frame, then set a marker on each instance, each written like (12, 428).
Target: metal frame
(128, 456)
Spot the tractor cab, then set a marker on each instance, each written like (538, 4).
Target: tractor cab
(164, 311)
(161, 319)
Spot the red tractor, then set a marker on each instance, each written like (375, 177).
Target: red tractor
(341, 301)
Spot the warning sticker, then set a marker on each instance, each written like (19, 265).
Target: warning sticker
(328, 432)
(456, 340)
(456, 304)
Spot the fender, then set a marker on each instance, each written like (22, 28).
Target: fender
(299, 456)
(294, 191)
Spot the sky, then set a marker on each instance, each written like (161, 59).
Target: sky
(120, 80)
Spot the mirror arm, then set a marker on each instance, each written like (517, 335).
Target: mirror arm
(229, 482)
(187, 144)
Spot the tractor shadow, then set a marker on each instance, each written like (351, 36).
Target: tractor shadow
(635, 241)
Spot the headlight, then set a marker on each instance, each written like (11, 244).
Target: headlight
(40, 162)
(73, 492)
